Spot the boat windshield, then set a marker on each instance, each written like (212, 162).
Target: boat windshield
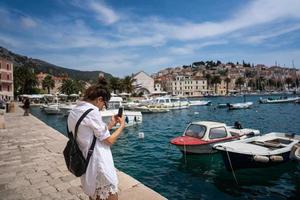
(195, 130)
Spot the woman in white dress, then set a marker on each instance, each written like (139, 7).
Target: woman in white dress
(100, 180)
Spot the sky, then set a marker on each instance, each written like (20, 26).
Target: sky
(122, 37)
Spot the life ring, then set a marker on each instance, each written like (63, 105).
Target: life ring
(295, 153)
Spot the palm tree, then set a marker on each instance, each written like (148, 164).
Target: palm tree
(48, 83)
(216, 80)
(288, 81)
(80, 85)
(68, 87)
(227, 81)
(114, 84)
(24, 80)
(239, 82)
(127, 84)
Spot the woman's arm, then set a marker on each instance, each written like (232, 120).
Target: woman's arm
(114, 136)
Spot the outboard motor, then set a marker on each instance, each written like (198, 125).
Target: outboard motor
(238, 125)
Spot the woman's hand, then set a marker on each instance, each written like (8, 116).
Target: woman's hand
(112, 123)
(121, 121)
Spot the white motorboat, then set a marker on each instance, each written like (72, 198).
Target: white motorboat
(171, 103)
(152, 108)
(235, 106)
(199, 137)
(279, 100)
(131, 117)
(260, 151)
(199, 103)
(66, 108)
(52, 109)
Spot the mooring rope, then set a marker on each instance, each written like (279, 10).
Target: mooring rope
(231, 167)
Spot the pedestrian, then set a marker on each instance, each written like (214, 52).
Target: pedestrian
(26, 106)
(100, 180)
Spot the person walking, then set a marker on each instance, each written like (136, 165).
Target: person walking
(100, 180)
(26, 106)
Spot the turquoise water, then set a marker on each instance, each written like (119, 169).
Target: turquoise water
(162, 167)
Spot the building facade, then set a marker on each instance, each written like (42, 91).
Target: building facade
(6, 80)
(188, 86)
(143, 83)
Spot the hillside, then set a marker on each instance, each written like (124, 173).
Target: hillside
(42, 66)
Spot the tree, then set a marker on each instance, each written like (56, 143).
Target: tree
(114, 84)
(239, 82)
(24, 80)
(69, 87)
(215, 81)
(288, 81)
(48, 83)
(79, 86)
(227, 81)
(127, 84)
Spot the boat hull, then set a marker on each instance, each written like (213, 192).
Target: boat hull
(240, 161)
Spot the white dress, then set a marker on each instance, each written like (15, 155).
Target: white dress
(100, 178)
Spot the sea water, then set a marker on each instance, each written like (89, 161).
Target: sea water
(162, 167)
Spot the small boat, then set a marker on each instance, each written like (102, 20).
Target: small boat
(199, 103)
(155, 108)
(52, 109)
(131, 117)
(260, 151)
(66, 108)
(199, 137)
(235, 106)
(279, 100)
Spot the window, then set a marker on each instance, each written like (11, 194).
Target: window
(195, 130)
(219, 132)
(0, 87)
(7, 66)
(8, 88)
(7, 76)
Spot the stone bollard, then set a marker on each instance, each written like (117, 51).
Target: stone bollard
(2, 122)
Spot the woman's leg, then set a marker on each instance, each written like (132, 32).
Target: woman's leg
(113, 197)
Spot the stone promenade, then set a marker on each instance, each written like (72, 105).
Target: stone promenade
(32, 165)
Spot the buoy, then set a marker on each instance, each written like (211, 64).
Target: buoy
(196, 113)
(262, 159)
(276, 158)
(141, 135)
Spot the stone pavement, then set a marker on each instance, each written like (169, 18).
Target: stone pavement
(32, 165)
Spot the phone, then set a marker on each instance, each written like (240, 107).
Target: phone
(120, 112)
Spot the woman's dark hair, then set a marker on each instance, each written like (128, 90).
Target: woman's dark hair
(98, 90)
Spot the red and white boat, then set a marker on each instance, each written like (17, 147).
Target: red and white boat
(199, 137)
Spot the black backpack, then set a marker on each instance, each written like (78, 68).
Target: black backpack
(75, 161)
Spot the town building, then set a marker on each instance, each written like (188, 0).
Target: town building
(6, 80)
(184, 85)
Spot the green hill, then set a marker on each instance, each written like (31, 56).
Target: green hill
(45, 67)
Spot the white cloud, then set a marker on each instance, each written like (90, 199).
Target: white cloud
(191, 48)
(256, 13)
(257, 39)
(103, 12)
(28, 22)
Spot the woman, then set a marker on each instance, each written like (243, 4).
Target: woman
(100, 180)
(26, 107)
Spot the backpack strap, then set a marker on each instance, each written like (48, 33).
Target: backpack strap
(80, 120)
(90, 152)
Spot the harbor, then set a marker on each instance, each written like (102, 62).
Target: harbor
(32, 164)
(161, 166)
